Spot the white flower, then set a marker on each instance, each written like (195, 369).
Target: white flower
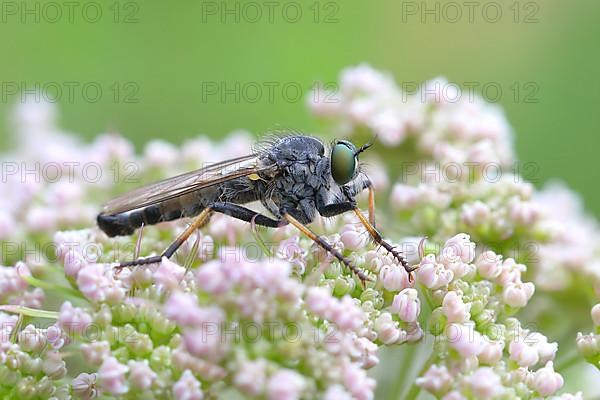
(545, 381)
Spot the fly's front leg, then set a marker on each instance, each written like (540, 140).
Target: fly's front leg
(326, 246)
(352, 191)
(379, 240)
(371, 205)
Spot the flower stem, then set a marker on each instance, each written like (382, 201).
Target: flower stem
(415, 389)
(51, 286)
(572, 358)
(30, 312)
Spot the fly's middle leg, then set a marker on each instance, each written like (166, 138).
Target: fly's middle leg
(327, 247)
(379, 240)
(330, 210)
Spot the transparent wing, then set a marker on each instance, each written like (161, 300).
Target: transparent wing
(185, 183)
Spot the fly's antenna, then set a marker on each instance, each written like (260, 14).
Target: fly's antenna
(365, 146)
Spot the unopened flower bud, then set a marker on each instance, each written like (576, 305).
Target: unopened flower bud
(546, 381)
(407, 305)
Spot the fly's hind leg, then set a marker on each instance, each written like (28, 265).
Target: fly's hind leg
(201, 220)
(233, 210)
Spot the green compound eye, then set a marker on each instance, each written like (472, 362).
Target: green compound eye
(343, 162)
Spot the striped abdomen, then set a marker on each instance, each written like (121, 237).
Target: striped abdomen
(126, 223)
(240, 190)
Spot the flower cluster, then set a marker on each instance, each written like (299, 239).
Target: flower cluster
(268, 314)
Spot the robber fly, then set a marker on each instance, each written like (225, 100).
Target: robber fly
(294, 177)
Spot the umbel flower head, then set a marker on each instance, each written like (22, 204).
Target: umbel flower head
(267, 314)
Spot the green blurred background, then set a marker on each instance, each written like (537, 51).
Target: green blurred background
(163, 54)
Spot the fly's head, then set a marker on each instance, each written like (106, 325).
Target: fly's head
(344, 161)
(345, 168)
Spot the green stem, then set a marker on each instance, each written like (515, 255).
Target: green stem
(415, 389)
(261, 243)
(405, 361)
(427, 295)
(568, 361)
(30, 312)
(51, 286)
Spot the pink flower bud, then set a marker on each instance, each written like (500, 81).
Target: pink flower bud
(352, 238)
(596, 314)
(433, 274)
(337, 392)
(465, 339)
(250, 377)
(524, 355)
(588, 345)
(93, 283)
(454, 309)
(407, 305)
(475, 213)
(211, 278)
(511, 272)
(168, 274)
(347, 315)
(285, 384)
(95, 352)
(524, 213)
(160, 154)
(8, 226)
(485, 383)
(319, 301)
(489, 265)
(387, 329)
(74, 319)
(73, 263)
(84, 386)
(492, 353)
(518, 294)
(141, 375)
(357, 382)
(458, 248)
(454, 395)
(31, 339)
(394, 278)
(111, 377)
(368, 352)
(405, 197)
(546, 381)
(545, 349)
(205, 342)
(187, 387)
(437, 380)
(40, 219)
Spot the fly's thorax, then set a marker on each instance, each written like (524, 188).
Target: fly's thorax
(297, 148)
